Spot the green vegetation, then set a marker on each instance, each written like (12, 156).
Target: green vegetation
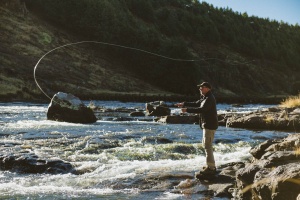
(243, 57)
(156, 24)
(6, 87)
(175, 28)
(45, 38)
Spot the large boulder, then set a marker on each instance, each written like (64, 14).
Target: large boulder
(68, 108)
(278, 183)
(274, 172)
(259, 150)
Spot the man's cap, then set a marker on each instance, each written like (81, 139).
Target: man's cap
(205, 84)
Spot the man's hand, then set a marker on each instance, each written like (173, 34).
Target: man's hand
(180, 105)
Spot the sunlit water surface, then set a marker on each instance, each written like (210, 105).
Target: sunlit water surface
(112, 154)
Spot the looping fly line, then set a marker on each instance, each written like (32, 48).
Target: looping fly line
(103, 43)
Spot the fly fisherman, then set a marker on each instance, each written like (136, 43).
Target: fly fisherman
(206, 107)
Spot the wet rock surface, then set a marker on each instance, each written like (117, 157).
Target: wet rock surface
(157, 108)
(68, 108)
(31, 163)
(274, 172)
(185, 183)
(274, 118)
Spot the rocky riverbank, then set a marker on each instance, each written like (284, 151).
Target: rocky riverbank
(273, 173)
(274, 118)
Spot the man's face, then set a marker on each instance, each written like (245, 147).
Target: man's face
(203, 90)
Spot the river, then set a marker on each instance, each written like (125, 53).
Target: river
(113, 154)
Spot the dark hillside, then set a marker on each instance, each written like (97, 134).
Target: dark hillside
(76, 69)
(241, 56)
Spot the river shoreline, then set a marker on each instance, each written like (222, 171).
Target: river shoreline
(150, 98)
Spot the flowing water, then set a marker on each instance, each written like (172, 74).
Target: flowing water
(114, 153)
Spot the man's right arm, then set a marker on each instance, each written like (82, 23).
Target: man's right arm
(192, 104)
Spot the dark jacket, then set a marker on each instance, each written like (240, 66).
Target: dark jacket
(207, 109)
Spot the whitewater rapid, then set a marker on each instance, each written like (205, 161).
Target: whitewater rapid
(112, 156)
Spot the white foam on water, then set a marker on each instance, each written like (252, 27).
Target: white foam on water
(14, 189)
(169, 196)
(97, 182)
(99, 177)
(27, 123)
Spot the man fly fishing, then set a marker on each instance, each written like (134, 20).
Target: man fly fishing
(208, 120)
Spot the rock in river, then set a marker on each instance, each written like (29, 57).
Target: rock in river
(68, 108)
(30, 163)
(157, 108)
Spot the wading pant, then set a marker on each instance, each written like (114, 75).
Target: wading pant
(207, 140)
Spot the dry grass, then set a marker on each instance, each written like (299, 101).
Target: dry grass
(267, 181)
(297, 151)
(269, 119)
(291, 102)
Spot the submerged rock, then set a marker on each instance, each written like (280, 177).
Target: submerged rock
(137, 114)
(68, 108)
(155, 140)
(30, 163)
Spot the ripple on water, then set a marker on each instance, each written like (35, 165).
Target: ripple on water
(114, 157)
